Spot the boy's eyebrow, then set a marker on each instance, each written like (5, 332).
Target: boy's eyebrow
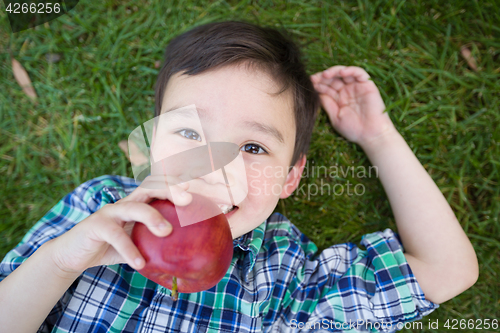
(179, 107)
(266, 129)
(263, 128)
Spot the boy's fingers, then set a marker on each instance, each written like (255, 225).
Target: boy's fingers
(353, 71)
(121, 242)
(132, 211)
(315, 77)
(332, 72)
(349, 79)
(328, 90)
(337, 84)
(320, 88)
(320, 79)
(337, 76)
(330, 106)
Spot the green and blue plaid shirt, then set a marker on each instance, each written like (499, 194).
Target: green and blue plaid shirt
(277, 282)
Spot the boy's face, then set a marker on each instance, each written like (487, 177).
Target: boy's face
(235, 105)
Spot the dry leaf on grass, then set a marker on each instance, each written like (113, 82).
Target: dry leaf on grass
(468, 57)
(23, 79)
(137, 157)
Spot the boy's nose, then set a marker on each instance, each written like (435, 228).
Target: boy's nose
(227, 185)
(217, 177)
(218, 165)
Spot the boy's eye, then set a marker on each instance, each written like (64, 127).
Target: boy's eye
(253, 148)
(190, 134)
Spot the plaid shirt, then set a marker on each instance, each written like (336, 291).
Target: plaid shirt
(276, 282)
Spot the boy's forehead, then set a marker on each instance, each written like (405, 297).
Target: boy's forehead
(238, 95)
(232, 81)
(265, 81)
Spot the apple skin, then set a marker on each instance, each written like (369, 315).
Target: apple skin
(198, 255)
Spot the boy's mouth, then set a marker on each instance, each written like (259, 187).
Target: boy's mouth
(226, 209)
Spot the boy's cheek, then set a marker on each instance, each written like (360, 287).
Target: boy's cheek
(264, 180)
(257, 170)
(264, 186)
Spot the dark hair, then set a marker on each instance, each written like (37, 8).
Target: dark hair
(219, 44)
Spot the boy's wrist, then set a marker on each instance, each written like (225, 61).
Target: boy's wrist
(382, 140)
(49, 252)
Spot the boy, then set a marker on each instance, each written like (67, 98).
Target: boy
(75, 271)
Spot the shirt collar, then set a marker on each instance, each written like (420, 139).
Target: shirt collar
(117, 193)
(250, 243)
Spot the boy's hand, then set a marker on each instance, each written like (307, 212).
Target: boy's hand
(104, 237)
(353, 103)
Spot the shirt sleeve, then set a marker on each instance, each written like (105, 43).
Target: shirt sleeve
(73, 208)
(349, 289)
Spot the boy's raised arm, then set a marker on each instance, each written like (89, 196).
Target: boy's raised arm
(437, 249)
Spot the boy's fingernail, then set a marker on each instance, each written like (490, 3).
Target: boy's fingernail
(138, 262)
(165, 228)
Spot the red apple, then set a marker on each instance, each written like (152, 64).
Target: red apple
(193, 257)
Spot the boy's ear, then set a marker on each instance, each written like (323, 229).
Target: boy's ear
(293, 178)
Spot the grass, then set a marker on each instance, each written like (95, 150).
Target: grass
(103, 87)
